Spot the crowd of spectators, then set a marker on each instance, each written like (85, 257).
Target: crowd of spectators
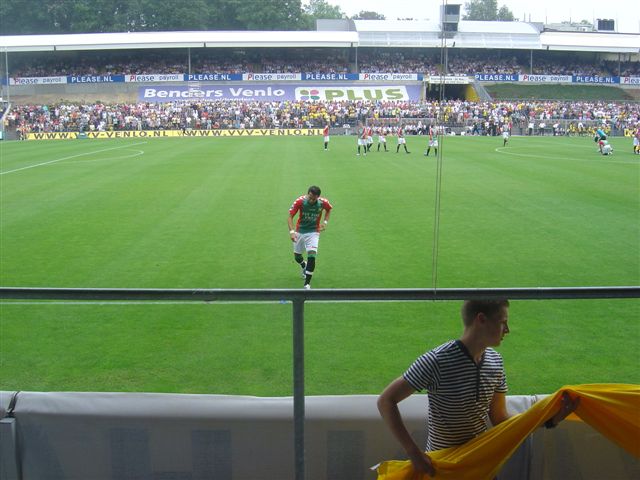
(96, 64)
(547, 67)
(151, 62)
(299, 114)
(465, 63)
(292, 114)
(393, 61)
(368, 60)
(135, 65)
(627, 69)
(276, 66)
(461, 65)
(201, 115)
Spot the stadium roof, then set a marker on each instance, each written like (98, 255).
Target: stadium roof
(591, 42)
(239, 39)
(505, 35)
(383, 33)
(498, 35)
(434, 26)
(368, 33)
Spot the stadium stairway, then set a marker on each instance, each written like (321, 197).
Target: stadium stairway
(482, 92)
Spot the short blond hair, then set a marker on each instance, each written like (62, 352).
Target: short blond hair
(471, 308)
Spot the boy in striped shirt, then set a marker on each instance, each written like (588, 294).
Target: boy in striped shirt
(465, 382)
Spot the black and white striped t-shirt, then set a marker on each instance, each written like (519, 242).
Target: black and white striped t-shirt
(459, 390)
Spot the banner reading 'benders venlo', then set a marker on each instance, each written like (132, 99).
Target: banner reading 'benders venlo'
(243, 132)
(278, 92)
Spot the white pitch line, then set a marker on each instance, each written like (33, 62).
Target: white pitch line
(136, 153)
(72, 156)
(546, 157)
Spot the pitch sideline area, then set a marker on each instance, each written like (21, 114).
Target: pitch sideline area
(211, 213)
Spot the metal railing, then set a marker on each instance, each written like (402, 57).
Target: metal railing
(298, 298)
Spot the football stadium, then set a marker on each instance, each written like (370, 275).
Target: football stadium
(168, 311)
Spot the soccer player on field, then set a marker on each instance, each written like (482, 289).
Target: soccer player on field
(600, 137)
(401, 140)
(505, 136)
(306, 234)
(636, 141)
(433, 141)
(369, 138)
(325, 134)
(382, 138)
(362, 139)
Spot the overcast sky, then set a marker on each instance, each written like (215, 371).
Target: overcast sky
(626, 13)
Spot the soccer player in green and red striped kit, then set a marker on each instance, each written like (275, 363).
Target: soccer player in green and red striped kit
(306, 234)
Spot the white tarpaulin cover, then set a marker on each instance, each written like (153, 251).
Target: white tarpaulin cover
(120, 436)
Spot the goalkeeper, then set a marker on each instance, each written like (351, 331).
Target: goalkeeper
(600, 137)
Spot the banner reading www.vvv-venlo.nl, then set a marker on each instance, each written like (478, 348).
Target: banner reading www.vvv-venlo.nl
(271, 92)
(240, 132)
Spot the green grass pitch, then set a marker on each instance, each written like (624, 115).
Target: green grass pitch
(211, 213)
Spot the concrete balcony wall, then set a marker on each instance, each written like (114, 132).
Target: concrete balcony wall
(121, 436)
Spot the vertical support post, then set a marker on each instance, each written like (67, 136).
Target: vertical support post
(446, 61)
(6, 71)
(298, 388)
(355, 58)
(189, 60)
(9, 453)
(9, 463)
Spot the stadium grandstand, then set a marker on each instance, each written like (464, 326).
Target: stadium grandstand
(131, 75)
(345, 74)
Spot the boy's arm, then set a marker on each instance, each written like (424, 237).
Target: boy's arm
(388, 401)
